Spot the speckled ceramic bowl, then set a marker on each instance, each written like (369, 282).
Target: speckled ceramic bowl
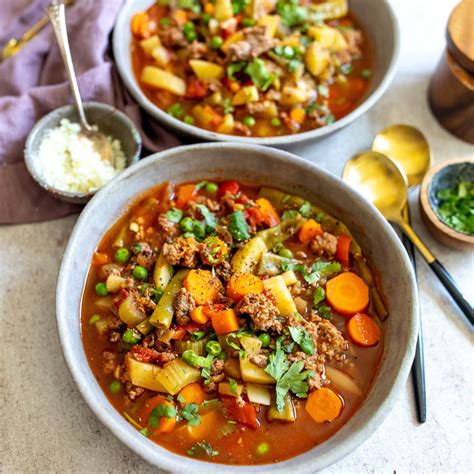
(109, 120)
(265, 166)
(376, 18)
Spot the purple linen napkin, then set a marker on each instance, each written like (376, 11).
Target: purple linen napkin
(33, 83)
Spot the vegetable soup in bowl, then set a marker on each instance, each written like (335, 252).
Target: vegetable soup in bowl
(251, 70)
(220, 316)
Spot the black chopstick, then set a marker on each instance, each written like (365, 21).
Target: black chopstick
(418, 367)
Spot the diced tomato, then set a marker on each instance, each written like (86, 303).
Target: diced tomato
(144, 354)
(242, 199)
(263, 213)
(178, 334)
(342, 249)
(229, 186)
(184, 194)
(191, 327)
(196, 89)
(243, 414)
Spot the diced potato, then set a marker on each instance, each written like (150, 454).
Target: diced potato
(271, 22)
(215, 98)
(252, 345)
(287, 414)
(161, 79)
(102, 327)
(161, 55)
(143, 374)
(330, 9)
(343, 381)
(251, 373)
(149, 44)
(114, 283)
(104, 303)
(129, 312)
(292, 40)
(162, 273)
(234, 38)
(277, 288)
(205, 115)
(227, 126)
(317, 59)
(224, 389)
(259, 394)
(289, 277)
(328, 37)
(247, 258)
(293, 95)
(177, 374)
(246, 95)
(206, 70)
(232, 368)
(223, 10)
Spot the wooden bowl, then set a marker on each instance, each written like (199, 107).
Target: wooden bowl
(439, 177)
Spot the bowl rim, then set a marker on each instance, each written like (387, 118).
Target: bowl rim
(161, 457)
(61, 111)
(177, 126)
(429, 208)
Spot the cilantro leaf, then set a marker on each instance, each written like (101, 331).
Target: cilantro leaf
(238, 226)
(288, 264)
(295, 380)
(235, 67)
(204, 447)
(292, 14)
(325, 311)
(259, 74)
(290, 214)
(305, 209)
(301, 337)
(232, 386)
(189, 412)
(322, 269)
(318, 295)
(278, 364)
(160, 411)
(209, 217)
(174, 215)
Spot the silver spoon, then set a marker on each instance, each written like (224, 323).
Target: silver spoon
(101, 144)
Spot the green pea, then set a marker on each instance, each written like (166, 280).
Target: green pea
(101, 289)
(286, 253)
(115, 386)
(262, 448)
(140, 273)
(211, 188)
(165, 21)
(130, 336)
(94, 318)
(122, 255)
(176, 110)
(188, 26)
(265, 338)
(187, 224)
(248, 22)
(213, 348)
(216, 42)
(275, 122)
(248, 120)
(188, 119)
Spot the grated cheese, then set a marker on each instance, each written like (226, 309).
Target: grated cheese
(68, 161)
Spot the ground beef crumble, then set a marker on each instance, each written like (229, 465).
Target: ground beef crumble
(183, 305)
(217, 375)
(182, 252)
(262, 311)
(325, 243)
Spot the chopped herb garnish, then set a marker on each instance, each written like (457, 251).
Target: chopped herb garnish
(291, 13)
(301, 337)
(232, 386)
(259, 74)
(161, 411)
(305, 209)
(204, 447)
(318, 295)
(346, 68)
(145, 432)
(235, 67)
(190, 413)
(325, 311)
(291, 214)
(238, 226)
(209, 217)
(322, 269)
(174, 215)
(365, 73)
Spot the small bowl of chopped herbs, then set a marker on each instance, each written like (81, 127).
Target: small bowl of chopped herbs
(447, 202)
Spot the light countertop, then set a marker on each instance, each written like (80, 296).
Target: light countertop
(46, 426)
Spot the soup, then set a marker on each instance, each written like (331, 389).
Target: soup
(232, 323)
(251, 67)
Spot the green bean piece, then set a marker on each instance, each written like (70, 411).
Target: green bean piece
(213, 348)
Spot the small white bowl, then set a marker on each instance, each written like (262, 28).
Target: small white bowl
(265, 166)
(377, 20)
(108, 119)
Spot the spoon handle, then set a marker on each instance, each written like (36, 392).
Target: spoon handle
(57, 17)
(440, 272)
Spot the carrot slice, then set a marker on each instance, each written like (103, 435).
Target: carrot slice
(242, 284)
(363, 330)
(166, 424)
(199, 316)
(323, 405)
(139, 21)
(224, 321)
(309, 230)
(184, 194)
(347, 293)
(203, 286)
(193, 393)
(342, 249)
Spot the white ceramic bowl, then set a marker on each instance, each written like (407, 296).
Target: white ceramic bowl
(376, 18)
(261, 165)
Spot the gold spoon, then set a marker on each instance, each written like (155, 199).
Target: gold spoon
(408, 147)
(14, 45)
(101, 144)
(384, 183)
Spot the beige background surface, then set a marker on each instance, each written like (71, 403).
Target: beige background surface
(45, 424)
